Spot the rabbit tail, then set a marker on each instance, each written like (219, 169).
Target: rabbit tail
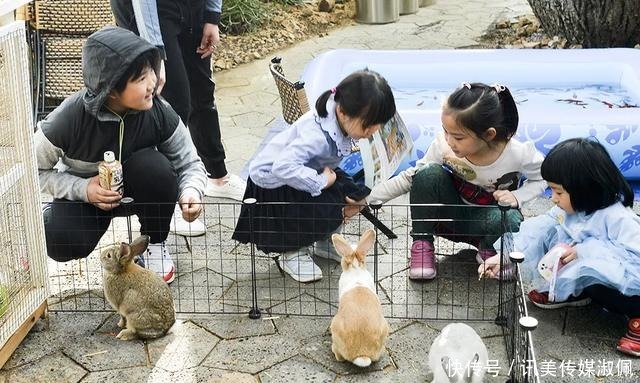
(362, 361)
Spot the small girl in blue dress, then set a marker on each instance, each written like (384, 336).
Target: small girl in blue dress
(295, 180)
(593, 217)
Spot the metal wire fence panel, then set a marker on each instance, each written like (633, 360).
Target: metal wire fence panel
(22, 250)
(216, 274)
(517, 334)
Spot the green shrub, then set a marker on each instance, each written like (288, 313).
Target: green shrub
(240, 16)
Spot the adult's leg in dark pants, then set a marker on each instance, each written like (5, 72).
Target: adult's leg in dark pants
(151, 180)
(73, 228)
(204, 123)
(614, 301)
(172, 26)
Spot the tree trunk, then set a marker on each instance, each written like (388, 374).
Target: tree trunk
(592, 23)
(326, 5)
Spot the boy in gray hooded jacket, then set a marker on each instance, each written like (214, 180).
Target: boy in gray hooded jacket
(116, 111)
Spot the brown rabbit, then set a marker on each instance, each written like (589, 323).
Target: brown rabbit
(143, 300)
(358, 330)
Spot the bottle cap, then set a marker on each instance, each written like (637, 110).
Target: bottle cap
(109, 156)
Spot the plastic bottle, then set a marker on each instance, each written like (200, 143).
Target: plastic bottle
(110, 172)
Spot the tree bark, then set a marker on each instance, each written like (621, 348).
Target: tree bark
(592, 23)
(326, 5)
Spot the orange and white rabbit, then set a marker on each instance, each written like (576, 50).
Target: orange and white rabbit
(358, 330)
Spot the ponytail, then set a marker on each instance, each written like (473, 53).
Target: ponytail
(321, 103)
(509, 111)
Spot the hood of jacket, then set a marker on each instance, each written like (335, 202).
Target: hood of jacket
(106, 56)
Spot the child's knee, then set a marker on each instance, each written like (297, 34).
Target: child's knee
(430, 173)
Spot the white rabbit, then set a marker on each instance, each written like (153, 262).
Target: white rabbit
(358, 330)
(457, 355)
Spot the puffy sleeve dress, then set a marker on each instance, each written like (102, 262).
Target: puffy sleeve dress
(607, 243)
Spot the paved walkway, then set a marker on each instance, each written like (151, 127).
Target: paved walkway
(232, 348)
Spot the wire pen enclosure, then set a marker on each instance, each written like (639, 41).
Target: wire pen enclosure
(23, 272)
(216, 274)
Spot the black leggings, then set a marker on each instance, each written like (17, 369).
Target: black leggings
(614, 301)
(73, 228)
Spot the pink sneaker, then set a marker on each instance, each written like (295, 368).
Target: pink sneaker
(484, 254)
(423, 260)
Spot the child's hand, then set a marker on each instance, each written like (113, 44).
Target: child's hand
(490, 268)
(505, 196)
(352, 208)
(191, 207)
(162, 78)
(569, 255)
(100, 197)
(331, 177)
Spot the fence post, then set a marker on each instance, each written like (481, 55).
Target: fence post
(127, 202)
(501, 318)
(528, 324)
(375, 205)
(254, 313)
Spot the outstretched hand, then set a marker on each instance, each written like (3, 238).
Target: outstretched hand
(505, 196)
(490, 268)
(352, 208)
(191, 207)
(100, 197)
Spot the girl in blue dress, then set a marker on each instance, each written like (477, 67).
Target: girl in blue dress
(593, 217)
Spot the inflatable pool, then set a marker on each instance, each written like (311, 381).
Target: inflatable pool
(560, 93)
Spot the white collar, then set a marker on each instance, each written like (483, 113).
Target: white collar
(329, 124)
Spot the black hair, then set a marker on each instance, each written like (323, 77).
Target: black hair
(363, 94)
(478, 107)
(148, 59)
(586, 171)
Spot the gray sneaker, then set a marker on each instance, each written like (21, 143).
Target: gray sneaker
(325, 249)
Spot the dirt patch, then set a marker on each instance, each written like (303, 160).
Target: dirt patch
(286, 26)
(522, 32)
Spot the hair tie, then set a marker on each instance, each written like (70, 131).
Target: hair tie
(465, 85)
(499, 88)
(333, 90)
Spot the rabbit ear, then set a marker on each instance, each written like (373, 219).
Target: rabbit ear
(472, 368)
(139, 244)
(447, 367)
(342, 246)
(124, 255)
(366, 241)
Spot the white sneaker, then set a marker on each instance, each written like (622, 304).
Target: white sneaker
(325, 249)
(300, 266)
(234, 188)
(158, 260)
(186, 229)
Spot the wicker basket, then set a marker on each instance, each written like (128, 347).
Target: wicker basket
(63, 66)
(72, 16)
(292, 95)
(61, 28)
